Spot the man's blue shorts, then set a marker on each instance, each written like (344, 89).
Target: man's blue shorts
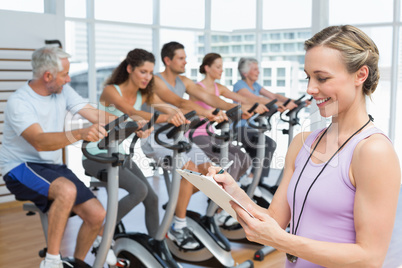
(31, 181)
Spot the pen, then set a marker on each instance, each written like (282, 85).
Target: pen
(225, 167)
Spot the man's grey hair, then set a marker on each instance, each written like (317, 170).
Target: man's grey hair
(244, 65)
(47, 59)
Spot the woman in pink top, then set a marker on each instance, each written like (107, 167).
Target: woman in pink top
(212, 68)
(341, 184)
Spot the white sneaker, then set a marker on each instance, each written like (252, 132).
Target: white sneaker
(111, 258)
(46, 263)
(97, 241)
(184, 237)
(223, 219)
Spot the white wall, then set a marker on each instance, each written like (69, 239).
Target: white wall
(29, 30)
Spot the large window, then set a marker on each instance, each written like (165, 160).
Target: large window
(136, 11)
(77, 41)
(285, 25)
(273, 35)
(182, 13)
(109, 47)
(229, 15)
(76, 8)
(286, 14)
(360, 11)
(77, 46)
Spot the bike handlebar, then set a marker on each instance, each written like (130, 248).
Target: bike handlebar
(272, 109)
(234, 114)
(146, 127)
(119, 129)
(300, 105)
(181, 146)
(182, 127)
(255, 105)
(200, 123)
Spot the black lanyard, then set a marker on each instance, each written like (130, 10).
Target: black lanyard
(290, 257)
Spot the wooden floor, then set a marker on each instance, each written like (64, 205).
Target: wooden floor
(21, 236)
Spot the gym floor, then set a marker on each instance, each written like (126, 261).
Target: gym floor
(22, 237)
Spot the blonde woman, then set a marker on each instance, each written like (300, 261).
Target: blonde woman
(341, 183)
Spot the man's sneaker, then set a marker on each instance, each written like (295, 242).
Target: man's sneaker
(224, 220)
(111, 257)
(51, 264)
(183, 237)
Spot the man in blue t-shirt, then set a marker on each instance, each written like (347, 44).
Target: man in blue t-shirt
(31, 153)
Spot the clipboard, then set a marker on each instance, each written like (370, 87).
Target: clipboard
(212, 189)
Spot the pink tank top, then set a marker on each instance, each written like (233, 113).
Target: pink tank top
(201, 131)
(328, 212)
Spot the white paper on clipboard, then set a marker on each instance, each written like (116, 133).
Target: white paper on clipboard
(213, 190)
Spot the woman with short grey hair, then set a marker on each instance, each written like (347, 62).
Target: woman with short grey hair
(244, 66)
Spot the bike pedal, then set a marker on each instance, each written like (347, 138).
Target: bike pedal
(123, 263)
(94, 250)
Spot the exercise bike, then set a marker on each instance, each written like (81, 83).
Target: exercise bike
(263, 124)
(214, 247)
(269, 190)
(118, 130)
(236, 233)
(140, 249)
(225, 137)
